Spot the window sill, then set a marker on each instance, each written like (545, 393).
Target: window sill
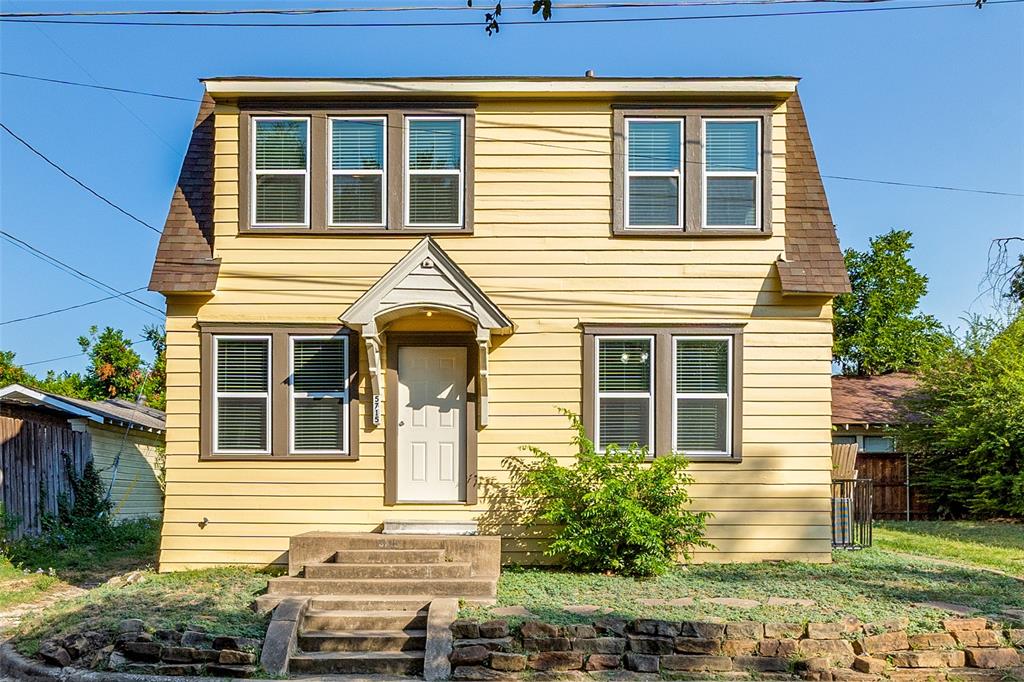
(697, 459)
(354, 231)
(686, 234)
(277, 458)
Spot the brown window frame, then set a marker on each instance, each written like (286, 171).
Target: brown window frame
(692, 220)
(280, 395)
(319, 115)
(664, 363)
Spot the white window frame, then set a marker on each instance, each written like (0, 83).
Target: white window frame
(382, 172)
(265, 395)
(758, 190)
(294, 395)
(436, 171)
(859, 441)
(678, 174)
(599, 394)
(728, 395)
(254, 173)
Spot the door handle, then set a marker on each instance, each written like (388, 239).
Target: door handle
(401, 423)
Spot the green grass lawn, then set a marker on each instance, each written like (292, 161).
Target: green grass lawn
(988, 544)
(18, 586)
(871, 584)
(220, 599)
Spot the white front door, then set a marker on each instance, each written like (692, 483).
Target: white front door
(431, 424)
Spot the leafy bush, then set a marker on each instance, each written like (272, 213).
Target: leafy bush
(616, 511)
(968, 446)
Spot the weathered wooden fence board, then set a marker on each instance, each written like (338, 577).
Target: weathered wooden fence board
(33, 475)
(889, 473)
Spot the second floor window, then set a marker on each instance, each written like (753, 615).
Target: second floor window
(732, 149)
(358, 188)
(434, 170)
(280, 171)
(654, 196)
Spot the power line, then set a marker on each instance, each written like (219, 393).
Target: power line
(78, 182)
(414, 8)
(530, 142)
(912, 184)
(70, 307)
(507, 22)
(78, 274)
(73, 355)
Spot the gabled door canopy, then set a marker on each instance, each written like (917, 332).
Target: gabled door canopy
(426, 278)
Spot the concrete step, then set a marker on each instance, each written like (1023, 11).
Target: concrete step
(448, 569)
(352, 663)
(349, 602)
(388, 556)
(467, 588)
(363, 640)
(379, 541)
(349, 620)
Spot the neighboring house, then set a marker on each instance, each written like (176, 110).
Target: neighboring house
(125, 442)
(379, 290)
(863, 410)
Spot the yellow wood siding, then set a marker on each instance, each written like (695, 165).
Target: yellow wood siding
(136, 492)
(542, 251)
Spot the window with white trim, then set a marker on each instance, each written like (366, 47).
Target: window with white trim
(625, 391)
(702, 401)
(241, 405)
(434, 166)
(319, 394)
(280, 171)
(654, 173)
(732, 173)
(358, 167)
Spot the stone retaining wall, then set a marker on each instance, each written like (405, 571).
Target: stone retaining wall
(967, 649)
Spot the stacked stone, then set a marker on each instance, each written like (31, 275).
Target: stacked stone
(192, 650)
(848, 651)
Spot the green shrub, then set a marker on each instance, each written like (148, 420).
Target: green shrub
(616, 511)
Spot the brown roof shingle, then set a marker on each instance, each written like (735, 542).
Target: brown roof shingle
(184, 258)
(872, 399)
(814, 263)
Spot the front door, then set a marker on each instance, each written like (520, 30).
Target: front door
(431, 423)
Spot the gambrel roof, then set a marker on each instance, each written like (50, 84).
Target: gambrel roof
(813, 264)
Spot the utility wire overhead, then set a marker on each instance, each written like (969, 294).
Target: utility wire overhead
(78, 274)
(506, 22)
(70, 307)
(78, 182)
(308, 11)
(530, 142)
(66, 357)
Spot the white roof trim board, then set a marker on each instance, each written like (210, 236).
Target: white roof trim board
(778, 86)
(22, 394)
(426, 278)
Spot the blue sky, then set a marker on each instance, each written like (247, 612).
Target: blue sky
(931, 96)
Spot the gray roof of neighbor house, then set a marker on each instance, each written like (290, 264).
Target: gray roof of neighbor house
(872, 399)
(813, 265)
(113, 410)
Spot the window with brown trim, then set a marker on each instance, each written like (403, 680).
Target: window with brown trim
(670, 389)
(699, 172)
(360, 169)
(270, 392)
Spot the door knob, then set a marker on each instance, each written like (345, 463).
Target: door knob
(401, 423)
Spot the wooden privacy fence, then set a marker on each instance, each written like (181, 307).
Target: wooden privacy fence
(33, 475)
(896, 499)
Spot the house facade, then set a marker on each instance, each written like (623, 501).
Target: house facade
(379, 290)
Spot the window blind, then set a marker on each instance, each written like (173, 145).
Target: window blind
(319, 381)
(732, 151)
(653, 172)
(280, 162)
(434, 186)
(357, 171)
(624, 391)
(702, 394)
(242, 394)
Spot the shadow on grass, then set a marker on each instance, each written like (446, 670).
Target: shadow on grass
(219, 599)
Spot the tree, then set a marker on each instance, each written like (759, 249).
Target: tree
(155, 388)
(1005, 274)
(115, 369)
(66, 383)
(878, 328)
(13, 373)
(967, 445)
